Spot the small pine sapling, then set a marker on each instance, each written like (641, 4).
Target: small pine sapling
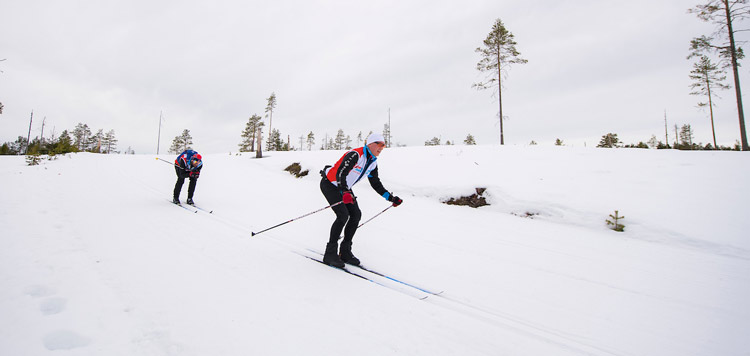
(33, 159)
(616, 223)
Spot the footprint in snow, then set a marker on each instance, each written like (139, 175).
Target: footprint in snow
(38, 291)
(52, 306)
(64, 340)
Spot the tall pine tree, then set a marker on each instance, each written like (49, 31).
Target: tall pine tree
(269, 114)
(498, 53)
(707, 76)
(724, 14)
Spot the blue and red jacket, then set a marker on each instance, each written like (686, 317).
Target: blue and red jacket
(184, 161)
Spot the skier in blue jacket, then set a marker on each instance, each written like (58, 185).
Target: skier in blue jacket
(187, 165)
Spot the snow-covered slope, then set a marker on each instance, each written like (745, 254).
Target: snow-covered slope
(94, 260)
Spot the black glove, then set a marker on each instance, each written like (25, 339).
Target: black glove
(395, 200)
(194, 174)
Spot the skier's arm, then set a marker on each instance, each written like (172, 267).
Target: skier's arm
(376, 184)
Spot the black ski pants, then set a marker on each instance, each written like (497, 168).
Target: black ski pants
(347, 215)
(181, 175)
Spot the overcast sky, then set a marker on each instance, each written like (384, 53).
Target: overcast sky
(594, 66)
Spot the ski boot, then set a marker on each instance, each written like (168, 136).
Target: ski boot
(190, 201)
(331, 257)
(346, 254)
(176, 201)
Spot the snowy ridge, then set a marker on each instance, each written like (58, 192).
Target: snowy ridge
(95, 260)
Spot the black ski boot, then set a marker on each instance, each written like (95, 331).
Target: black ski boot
(190, 201)
(346, 253)
(176, 201)
(331, 257)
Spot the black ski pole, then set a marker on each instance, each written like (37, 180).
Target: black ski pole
(297, 218)
(376, 215)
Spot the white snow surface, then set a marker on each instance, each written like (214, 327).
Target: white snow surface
(95, 260)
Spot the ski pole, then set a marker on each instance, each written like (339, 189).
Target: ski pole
(376, 215)
(297, 218)
(172, 163)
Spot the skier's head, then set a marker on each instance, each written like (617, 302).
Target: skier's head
(196, 160)
(375, 143)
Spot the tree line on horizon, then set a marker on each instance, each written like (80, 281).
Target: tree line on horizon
(80, 139)
(683, 142)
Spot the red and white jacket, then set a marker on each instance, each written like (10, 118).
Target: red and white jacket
(352, 167)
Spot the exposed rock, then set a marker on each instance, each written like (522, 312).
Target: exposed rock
(475, 200)
(295, 169)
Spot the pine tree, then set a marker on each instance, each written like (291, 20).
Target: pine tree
(470, 140)
(181, 142)
(274, 142)
(498, 54)
(33, 158)
(176, 147)
(310, 141)
(95, 142)
(19, 146)
(433, 142)
(609, 140)
(387, 134)
(109, 141)
(725, 14)
(707, 76)
(615, 222)
(339, 141)
(81, 136)
(248, 134)
(359, 138)
(559, 142)
(686, 137)
(271, 104)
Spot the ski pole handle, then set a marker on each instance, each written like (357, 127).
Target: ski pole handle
(297, 218)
